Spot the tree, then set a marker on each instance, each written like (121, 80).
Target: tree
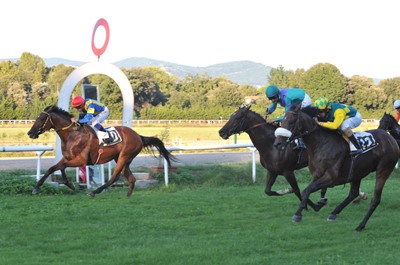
(31, 69)
(57, 76)
(391, 88)
(325, 79)
(278, 77)
(8, 75)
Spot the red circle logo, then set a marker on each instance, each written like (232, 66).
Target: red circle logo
(104, 23)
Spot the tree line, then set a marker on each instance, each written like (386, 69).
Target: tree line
(27, 86)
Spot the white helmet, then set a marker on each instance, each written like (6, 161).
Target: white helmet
(396, 104)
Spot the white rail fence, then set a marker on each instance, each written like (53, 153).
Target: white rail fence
(40, 149)
(145, 122)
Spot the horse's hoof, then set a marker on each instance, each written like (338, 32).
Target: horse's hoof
(363, 195)
(35, 191)
(331, 217)
(91, 194)
(296, 218)
(323, 201)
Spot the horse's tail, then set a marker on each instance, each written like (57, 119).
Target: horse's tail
(159, 145)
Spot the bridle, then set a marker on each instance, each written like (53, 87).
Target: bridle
(48, 118)
(240, 123)
(296, 127)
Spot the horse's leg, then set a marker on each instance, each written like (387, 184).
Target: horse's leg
(131, 179)
(323, 200)
(312, 187)
(361, 196)
(271, 178)
(117, 170)
(65, 180)
(59, 166)
(353, 193)
(379, 184)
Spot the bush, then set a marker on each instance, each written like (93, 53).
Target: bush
(17, 182)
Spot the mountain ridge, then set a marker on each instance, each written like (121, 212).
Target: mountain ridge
(241, 72)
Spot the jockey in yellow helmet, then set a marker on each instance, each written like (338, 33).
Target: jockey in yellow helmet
(337, 116)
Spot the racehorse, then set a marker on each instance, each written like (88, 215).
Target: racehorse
(274, 161)
(80, 147)
(389, 123)
(330, 161)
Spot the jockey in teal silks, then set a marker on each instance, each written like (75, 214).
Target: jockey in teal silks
(286, 97)
(92, 113)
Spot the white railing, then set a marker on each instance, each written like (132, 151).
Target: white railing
(145, 122)
(250, 146)
(39, 149)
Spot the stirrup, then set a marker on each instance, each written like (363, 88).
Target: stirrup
(356, 152)
(107, 140)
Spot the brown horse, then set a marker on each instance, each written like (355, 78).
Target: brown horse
(274, 161)
(331, 164)
(80, 147)
(389, 123)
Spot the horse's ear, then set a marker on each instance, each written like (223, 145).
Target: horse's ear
(297, 108)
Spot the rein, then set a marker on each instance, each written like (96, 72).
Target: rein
(255, 126)
(292, 138)
(49, 119)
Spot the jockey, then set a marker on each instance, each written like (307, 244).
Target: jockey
(92, 113)
(396, 105)
(286, 97)
(334, 116)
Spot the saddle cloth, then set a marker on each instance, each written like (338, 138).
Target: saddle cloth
(104, 135)
(365, 139)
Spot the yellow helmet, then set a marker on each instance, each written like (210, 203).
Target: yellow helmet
(322, 103)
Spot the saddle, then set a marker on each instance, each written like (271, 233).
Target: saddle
(104, 135)
(365, 139)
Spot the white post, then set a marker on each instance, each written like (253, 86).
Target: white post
(166, 172)
(39, 153)
(87, 177)
(253, 150)
(102, 174)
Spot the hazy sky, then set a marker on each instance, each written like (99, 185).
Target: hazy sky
(360, 37)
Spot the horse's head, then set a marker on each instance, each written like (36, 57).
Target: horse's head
(236, 123)
(47, 120)
(387, 122)
(295, 124)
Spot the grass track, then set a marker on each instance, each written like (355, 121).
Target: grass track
(196, 225)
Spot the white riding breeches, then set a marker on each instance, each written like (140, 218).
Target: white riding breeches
(99, 118)
(351, 122)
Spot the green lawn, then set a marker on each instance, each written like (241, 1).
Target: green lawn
(229, 223)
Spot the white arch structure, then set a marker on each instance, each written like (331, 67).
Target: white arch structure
(97, 68)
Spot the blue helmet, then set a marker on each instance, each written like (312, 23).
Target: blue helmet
(272, 91)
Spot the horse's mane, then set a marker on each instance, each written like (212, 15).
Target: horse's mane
(257, 114)
(58, 110)
(310, 111)
(260, 117)
(390, 117)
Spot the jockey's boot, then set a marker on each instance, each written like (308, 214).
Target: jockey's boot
(109, 139)
(356, 145)
(101, 128)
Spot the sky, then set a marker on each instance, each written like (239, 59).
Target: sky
(359, 37)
